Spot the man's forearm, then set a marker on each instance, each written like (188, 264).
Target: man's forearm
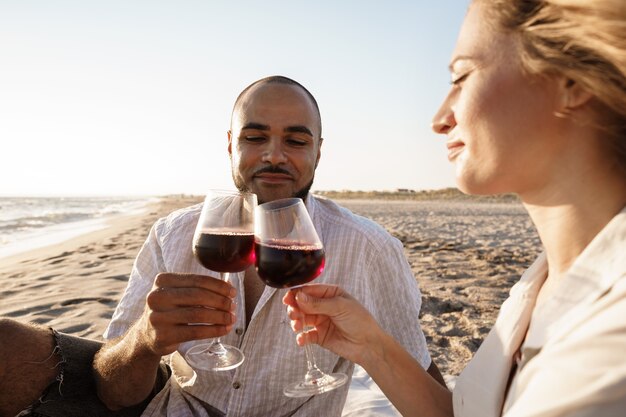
(125, 371)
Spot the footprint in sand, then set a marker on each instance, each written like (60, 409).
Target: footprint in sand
(63, 255)
(7, 293)
(85, 249)
(47, 277)
(114, 256)
(37, 286)
(54, 312)
(118, 277)
(30, 310)
(89, 264)
(74, 301)
(75, 328)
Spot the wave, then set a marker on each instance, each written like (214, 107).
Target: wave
(25, 219)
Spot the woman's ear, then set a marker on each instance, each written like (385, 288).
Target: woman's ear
(573, 95)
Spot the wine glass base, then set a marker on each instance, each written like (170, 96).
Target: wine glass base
(226, 358)
(326, 383)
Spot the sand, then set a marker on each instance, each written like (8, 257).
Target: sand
(465, 256)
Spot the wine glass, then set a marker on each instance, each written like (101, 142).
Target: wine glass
(223, 242)
(288, 254)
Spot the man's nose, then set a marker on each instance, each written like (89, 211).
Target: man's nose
(274, 152)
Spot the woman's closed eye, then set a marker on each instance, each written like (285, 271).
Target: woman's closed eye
(458, 79)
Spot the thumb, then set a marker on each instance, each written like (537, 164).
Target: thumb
(313, 305)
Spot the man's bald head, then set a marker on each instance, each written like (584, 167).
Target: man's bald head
(276, 79)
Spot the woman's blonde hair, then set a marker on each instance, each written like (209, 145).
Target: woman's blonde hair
(584, 40)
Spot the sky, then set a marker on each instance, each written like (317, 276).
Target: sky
(133, 97)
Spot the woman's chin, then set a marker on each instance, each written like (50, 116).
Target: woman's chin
(476, 186)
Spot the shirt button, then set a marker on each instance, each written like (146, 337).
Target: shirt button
(239, 331)
(236, 385)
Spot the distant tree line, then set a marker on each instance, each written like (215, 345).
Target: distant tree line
(409, 194)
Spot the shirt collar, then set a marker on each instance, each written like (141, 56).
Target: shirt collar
(311, 204)
(591, 275)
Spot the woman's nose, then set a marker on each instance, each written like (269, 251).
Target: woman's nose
(443, 121)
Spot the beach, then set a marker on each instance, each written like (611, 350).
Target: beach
(465, 255)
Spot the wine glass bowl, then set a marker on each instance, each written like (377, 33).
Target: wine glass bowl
(223, 242)
(225, 251)
(288, 254)
(288, 266)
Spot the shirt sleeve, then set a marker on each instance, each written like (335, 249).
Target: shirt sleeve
(147, 265)
(394, 298)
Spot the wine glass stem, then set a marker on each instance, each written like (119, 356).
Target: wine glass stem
(313, 373)
(216, 347)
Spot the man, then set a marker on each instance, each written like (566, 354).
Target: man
(274, 146)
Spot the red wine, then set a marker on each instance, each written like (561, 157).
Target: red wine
(288, 266)
(226, 252)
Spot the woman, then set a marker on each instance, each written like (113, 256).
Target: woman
(537, 107)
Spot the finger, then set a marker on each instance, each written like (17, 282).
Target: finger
(175, 335)
(310, 337)
(177, 280)
(320, 290)
(198, 332)
(306, 319)
(169, 298)
(299, 322)
(290, 298)
(199, 315)
(294, 313)
(190, 315)
(313, 305)
(296, 325)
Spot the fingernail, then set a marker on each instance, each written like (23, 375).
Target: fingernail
(302, 297)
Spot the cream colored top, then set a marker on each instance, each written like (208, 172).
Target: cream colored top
(360, 256)
(573, 348)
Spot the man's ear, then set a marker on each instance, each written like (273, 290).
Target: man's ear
(230, 143)
(573, 96)
(319, 151)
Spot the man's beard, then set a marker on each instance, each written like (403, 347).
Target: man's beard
(241, 186)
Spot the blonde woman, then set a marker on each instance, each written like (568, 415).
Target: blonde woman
(537, 107)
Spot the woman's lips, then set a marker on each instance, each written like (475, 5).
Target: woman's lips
(454, 149)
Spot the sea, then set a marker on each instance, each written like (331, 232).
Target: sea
(28, 223)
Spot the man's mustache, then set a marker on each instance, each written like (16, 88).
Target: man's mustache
(272, 170)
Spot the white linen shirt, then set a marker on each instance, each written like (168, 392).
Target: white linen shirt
(573, 346)
(360, 256)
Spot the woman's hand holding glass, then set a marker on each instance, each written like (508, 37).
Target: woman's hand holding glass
(335, 320)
